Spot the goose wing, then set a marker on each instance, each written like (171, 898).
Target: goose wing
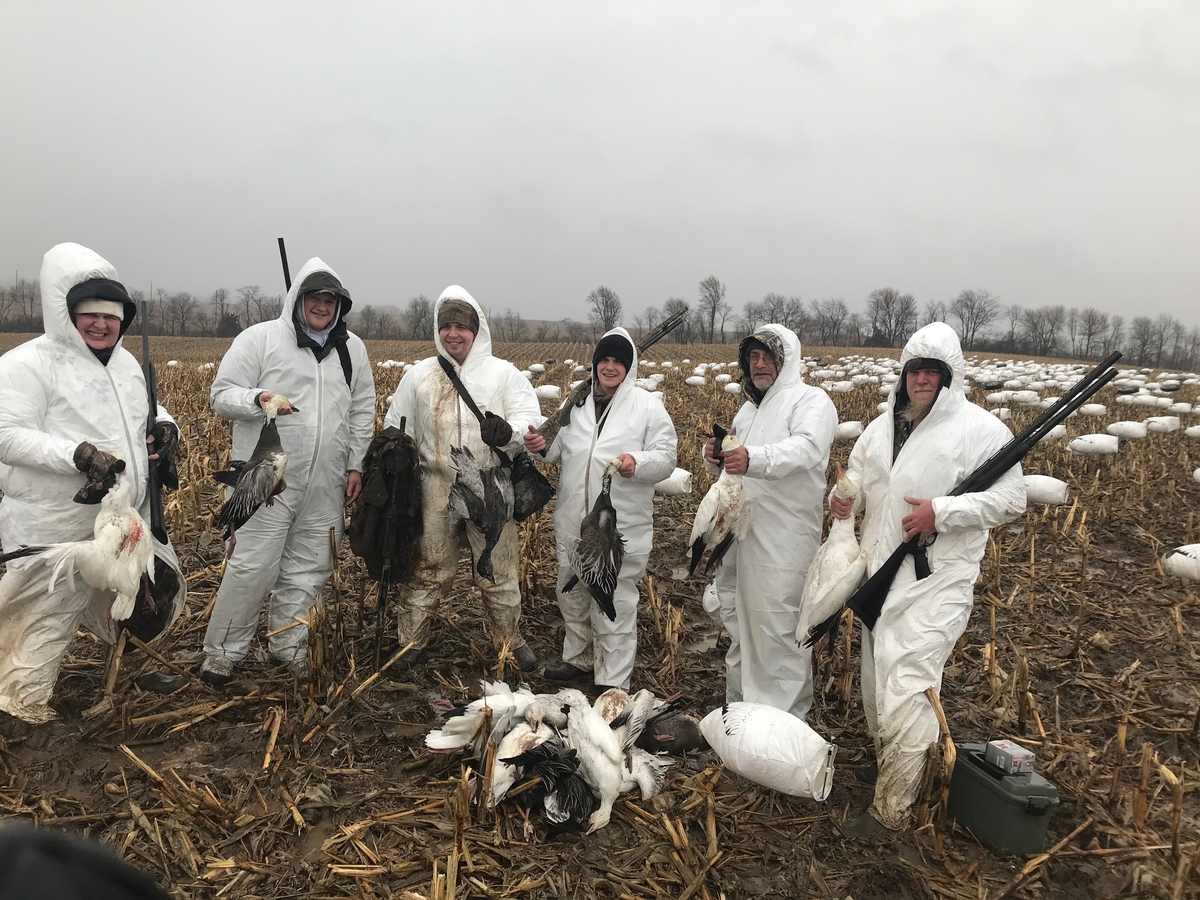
(706, 514)
(597, 561)
(256, 482)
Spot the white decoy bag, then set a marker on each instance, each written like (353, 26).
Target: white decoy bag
(771, 747)
(1046, 490)
(678, 482)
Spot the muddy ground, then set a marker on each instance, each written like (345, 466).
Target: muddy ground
(349, 804)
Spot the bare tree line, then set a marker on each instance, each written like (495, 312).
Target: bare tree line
(889, 317)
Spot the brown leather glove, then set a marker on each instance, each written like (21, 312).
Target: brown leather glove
(100, 469)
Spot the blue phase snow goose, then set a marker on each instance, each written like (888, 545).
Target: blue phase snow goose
(597, 555)
(562, 796)
(482, 496)
(258, 480)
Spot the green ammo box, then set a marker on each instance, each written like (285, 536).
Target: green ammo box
(1008, 812)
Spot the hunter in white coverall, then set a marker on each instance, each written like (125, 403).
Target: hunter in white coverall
(310, 357)
(905, 462)
(438, 419)
(785, 429)
(75, 384)
(634, 424)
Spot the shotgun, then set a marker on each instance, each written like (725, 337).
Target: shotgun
(549, 429)
(867, 602)
(158, 522)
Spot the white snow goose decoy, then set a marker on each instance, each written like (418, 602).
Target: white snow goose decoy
(257, 480)
(1183, 562)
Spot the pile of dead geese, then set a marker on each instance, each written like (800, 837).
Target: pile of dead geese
(565, 759)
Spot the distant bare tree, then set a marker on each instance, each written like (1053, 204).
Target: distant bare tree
(366, 322)
(1042, 329)
(220, 303)
(711, 307)
(1141, 339)
(892, 315)
(576, 331)
(25, 298)
(975, 311)
(935, 311)
(1178, 342)
(828, 318)
(1116, 334)
(418, 315)
(1162, 331)
(605, 311)
(645, 321)
(1074, 323)
(1092, 325)
(513, 326)
(688, 331)
(181, 307)
(753, 315)
(251, 297)
(854, 330)
(158, 311)
(270, 307)
(789, 312)
(204, 324)
(1014, 313)
(389, 324)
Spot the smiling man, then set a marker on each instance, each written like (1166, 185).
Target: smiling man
(785, 429)
(309, 356)
(438, 419)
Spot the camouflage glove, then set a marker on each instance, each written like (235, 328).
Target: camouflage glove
(495, 431)
(100, 469)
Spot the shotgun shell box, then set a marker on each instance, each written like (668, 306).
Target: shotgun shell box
(1009, 756)
(1009, 812)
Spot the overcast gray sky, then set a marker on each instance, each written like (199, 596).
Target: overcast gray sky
(1048, 152)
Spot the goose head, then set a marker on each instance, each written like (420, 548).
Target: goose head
(275, 404)
(846, 489)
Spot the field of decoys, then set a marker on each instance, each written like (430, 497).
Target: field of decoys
(1082, 647)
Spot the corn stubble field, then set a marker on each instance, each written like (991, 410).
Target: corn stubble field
(1079, 648)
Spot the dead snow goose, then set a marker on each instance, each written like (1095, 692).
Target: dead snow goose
(724, 515)
(482, 496)
(835, 571)
(117, 557)
(258, 480)
(597, 555)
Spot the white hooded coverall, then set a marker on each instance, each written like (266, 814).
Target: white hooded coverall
(438, 419)
(54, 395)
(635, 423)
(284, 549)
(922, 620)
(787, 437)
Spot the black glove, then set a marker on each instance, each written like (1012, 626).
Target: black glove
(495, 431)
(166, 440)
(101, 470)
